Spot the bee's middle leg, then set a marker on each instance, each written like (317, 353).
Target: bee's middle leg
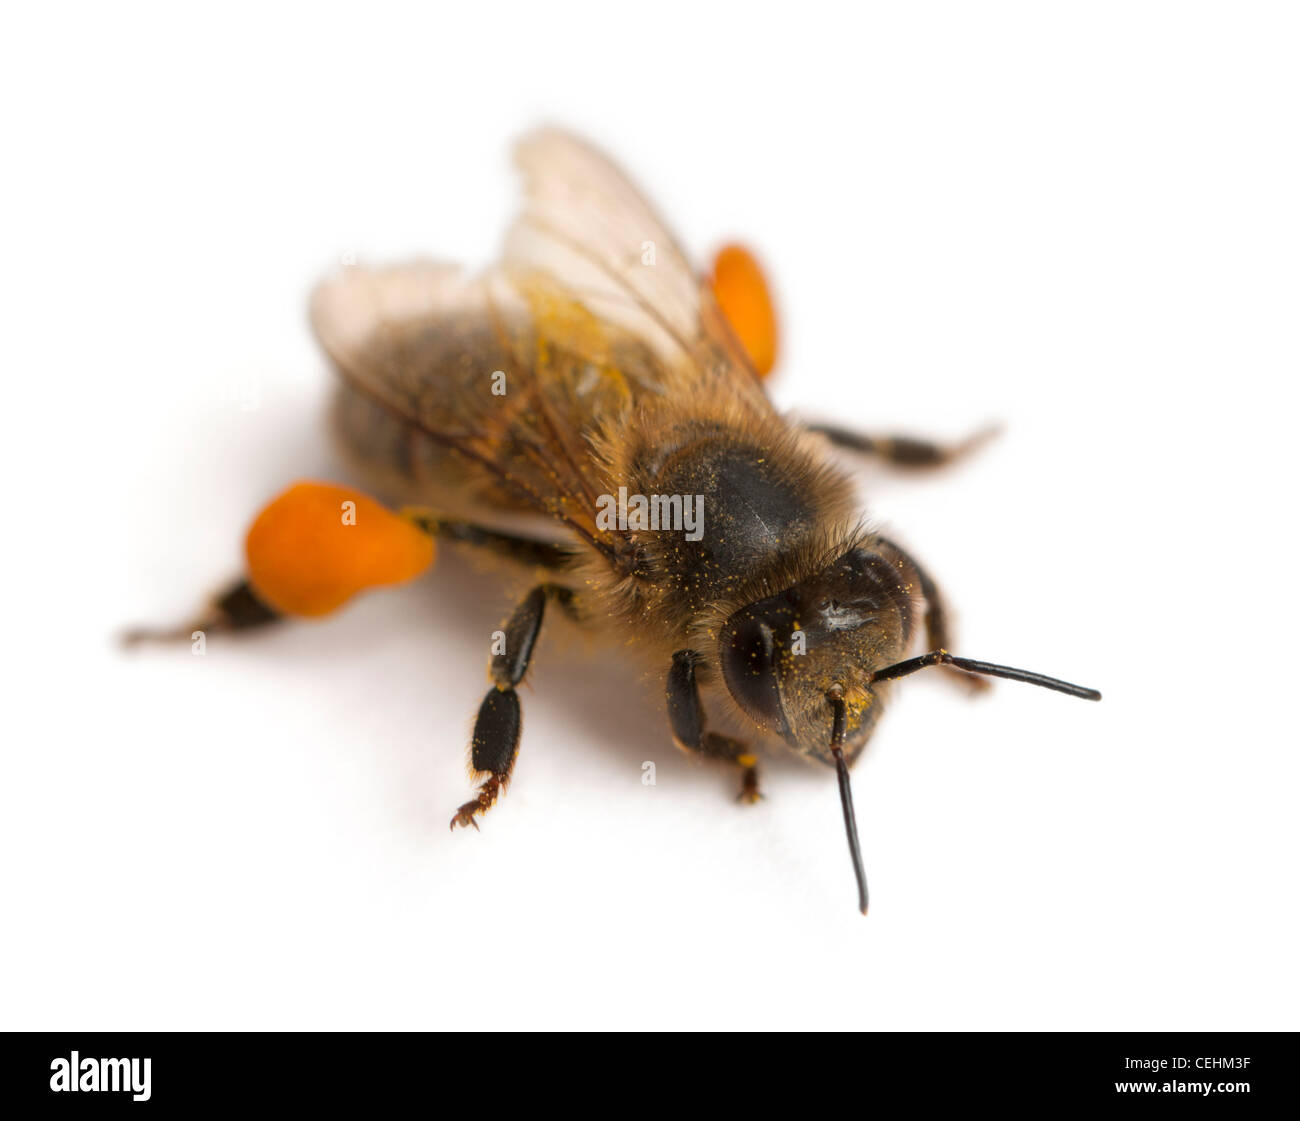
(495, 743)
(905, 451)
(686, 716)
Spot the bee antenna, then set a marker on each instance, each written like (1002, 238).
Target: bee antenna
(989, 669)
(836, 698)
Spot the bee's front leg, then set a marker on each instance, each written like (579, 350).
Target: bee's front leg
(495, 743)
(686, 715)
(938, 630)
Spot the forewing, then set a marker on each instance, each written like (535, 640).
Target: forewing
(594, 308)
(509, 372)
(586, 225)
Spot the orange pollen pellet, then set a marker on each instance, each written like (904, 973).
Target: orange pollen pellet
(742, 292)
(317, 545)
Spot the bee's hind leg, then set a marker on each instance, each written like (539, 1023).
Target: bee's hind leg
(240, 609)
(236, 609)
(526, 551)
(686, 716)
(905, 451)
(495, 743)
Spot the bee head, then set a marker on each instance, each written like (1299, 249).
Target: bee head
(782, 655)
(805, 663)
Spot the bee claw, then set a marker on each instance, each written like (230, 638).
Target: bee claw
(750, 794)
(465, 816)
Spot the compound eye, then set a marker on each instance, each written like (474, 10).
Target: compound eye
(749, 667)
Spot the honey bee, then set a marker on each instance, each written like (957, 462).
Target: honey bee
(596, 380)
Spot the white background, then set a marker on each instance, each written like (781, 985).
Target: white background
(1080, 220)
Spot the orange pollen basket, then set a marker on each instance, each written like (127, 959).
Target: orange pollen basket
(317, 545)
(741, 291)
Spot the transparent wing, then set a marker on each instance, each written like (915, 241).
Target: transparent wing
(507, 371)
(594, 309)
(585, 224)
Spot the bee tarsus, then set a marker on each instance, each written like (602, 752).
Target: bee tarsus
(238, 608)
